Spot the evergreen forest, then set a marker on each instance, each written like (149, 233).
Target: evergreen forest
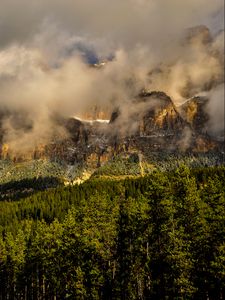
(160, 236)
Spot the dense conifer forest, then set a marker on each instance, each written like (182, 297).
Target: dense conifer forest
(154, 237)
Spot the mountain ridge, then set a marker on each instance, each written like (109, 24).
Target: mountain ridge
(158, 126)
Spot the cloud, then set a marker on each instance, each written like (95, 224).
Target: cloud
(45, 47)
(196, 67)
(216, 110)
(126, 22)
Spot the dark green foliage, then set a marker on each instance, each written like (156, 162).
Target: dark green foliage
(16, 190)
(156, 237)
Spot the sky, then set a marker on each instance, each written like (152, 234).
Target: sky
(46, 47)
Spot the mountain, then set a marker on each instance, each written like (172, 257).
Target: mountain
(134, 138)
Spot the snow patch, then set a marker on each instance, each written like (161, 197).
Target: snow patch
(91, 121)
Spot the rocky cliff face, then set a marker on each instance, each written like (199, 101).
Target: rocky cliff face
(195, 113)
(156, 126)
(161, 118)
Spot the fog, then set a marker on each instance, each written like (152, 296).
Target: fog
(46, 48)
